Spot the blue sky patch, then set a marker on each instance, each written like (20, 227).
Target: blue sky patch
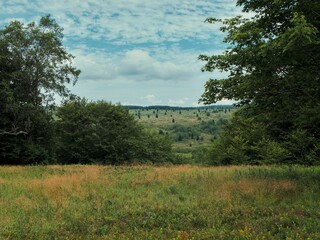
(134, 52)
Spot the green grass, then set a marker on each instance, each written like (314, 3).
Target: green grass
(187, 130)
(184, 117)
(146, 202)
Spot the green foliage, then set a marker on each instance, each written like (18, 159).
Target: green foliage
(35, 64)
(33, 67)
(154, 148)
(99, 132)
(273, 64)
(271, 152)
(244, 141)
(303, 146)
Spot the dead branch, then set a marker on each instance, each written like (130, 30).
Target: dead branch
(13, 133)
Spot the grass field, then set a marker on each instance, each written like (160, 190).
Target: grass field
(147, 202)
(189, 128)
(186, 117)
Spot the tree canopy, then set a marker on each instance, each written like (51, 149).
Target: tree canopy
(100, 132)
(273, 61)
(34, 66)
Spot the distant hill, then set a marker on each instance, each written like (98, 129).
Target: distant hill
(191, 129)
(163, 107)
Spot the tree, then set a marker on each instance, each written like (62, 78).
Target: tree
(34, 66)
(99, 132)
(274, 71)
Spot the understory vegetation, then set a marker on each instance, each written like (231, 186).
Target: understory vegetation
(145, 202)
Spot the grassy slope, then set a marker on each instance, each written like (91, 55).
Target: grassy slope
(187, 118)
(144, 202)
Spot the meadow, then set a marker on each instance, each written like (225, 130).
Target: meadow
(159, 202)
(190, 129)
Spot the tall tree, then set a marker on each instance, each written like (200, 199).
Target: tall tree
(34, 66)
(274, 71)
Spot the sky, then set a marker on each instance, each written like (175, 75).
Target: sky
(135, 52)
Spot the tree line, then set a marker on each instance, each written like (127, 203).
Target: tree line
(174, 108)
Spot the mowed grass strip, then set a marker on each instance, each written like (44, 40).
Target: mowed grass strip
(166, 202)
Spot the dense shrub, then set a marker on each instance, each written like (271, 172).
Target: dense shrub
(244, 141)
(99, 132)
(248, 141)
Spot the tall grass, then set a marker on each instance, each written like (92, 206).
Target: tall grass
(144, 202)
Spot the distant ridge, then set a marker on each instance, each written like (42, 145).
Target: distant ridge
(164, 107)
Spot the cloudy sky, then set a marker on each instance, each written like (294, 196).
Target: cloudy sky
(134, 52)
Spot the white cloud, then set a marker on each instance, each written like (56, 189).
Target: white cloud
(140, 64)
(94, 65)
(179, 102)
(173, 76)
(130, 21)
(6, 21)
(225, 102)
(151, 99)
(134, 65)
(127, 49)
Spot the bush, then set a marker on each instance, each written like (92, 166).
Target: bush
(99, 132)
(248, 141)
(245, 141)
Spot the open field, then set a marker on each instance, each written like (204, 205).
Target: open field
(188, 128)
(146, 202)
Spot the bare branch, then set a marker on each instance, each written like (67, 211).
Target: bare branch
(13, 133)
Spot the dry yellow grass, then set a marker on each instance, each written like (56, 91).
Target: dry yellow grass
(14, 168)
(163, 175)
(150, 202)
(248, 187)
(73, 182)
(2, 181)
